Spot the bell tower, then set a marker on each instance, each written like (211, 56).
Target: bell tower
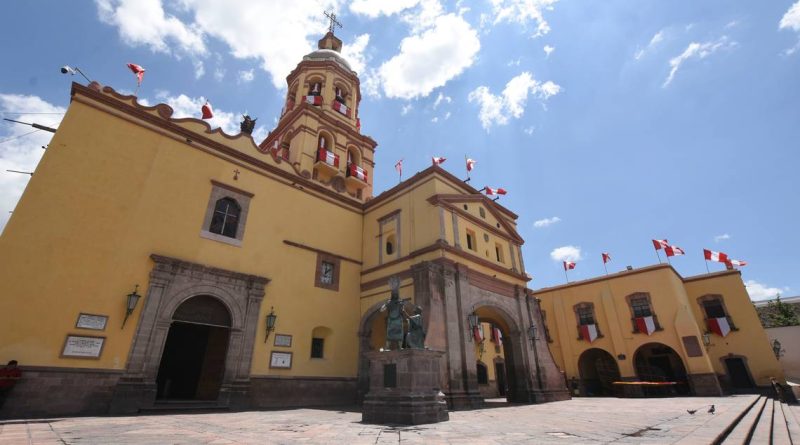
(319, 131)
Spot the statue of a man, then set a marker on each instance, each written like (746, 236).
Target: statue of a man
(415, 339)
(394, 317)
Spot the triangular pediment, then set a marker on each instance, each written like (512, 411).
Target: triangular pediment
(480, 210)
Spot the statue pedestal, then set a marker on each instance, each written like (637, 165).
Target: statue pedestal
(404, 388)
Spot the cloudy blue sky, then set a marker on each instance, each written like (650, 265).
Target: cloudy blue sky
(610, 123)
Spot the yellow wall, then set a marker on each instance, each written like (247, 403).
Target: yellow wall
(107, 195)
(673, 302)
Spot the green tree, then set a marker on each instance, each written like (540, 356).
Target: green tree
(781, 314)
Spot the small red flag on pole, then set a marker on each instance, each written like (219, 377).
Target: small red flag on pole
(568, 265)
(208, 113)
(606, 258)
(659, 244)
(438, 160)
(399, 168)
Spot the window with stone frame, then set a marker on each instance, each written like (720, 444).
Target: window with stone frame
(472, 242)
(585, 316)
(317, 348)
(713, 306)
(327, 272)
(641, 305)
(226, 214)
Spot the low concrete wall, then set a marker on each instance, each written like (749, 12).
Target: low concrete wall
(789, 337)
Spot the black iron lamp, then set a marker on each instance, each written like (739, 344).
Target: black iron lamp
(532, 333)
(130, 305)
(271, 319)
(707, 338)
(474, 322)
(777, 348)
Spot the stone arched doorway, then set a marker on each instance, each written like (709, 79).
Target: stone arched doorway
(657, 362)
(598, 371)
(192, 365)
(503, 349)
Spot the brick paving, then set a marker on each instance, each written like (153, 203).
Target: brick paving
(578, 421)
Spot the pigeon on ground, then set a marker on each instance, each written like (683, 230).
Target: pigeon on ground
(712, 409)
(691, 411)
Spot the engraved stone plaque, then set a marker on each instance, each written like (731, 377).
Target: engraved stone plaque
(91, 321)
(83, 346)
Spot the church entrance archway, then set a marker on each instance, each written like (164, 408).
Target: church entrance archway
(494, 342)
(657, 362)
(193, 362)
(598, 371)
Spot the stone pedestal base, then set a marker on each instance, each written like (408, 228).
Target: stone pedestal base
(705, 385)
(404, 388)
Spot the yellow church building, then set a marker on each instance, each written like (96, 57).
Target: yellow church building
(154, 263)
(650, 331)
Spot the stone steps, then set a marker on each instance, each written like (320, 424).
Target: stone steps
(767, 421)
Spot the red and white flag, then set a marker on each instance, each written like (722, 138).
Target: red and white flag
(313, 100)
(498, 191)
(358, 125)
(646, 325)
(606, 257)
(719, 326)
(736, 263)
(340, 107)
(711, 255)
(589, 332)
(358, 172)
(674, 251)
(139, 71)
(497, 337)
(569, 265)
(470, 164)
(328, 157)
(477, 334)
(438, 160)
(208, 113)
(399, 166)
(660, 244)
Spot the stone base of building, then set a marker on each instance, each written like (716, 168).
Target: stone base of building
(464, 400)
(404, 388)
(704, 384)
(288, 392)
(54, 391)
(544, 396)
(131, 395)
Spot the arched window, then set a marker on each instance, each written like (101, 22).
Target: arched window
(588, 329)
(643, 316)
(341, 95)
(324, 142)
(315, 88)
(226, 217)
(483, 374)
(353, 157)
(318, 336)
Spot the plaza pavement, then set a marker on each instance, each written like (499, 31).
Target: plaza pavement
(581, 420)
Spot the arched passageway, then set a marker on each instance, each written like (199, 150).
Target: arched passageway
(657, 362)
(598, 371)
(193, 362)
(496, 347)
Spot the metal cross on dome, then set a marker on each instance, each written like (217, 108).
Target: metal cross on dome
(332, 17)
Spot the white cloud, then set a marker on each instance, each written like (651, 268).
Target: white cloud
(435, 119)
(657, 38)
(548, 49)
(523, 12)
(145, 23)
(375, 8)
(185, 106)
(246, 76)
(20, 151)
(732, 24)
(199, 69)
(405, 109)
(278, 44)
(759, 291)
(514, 62)
(496, 110)
(353, 52)
(696, 51)
(546, 222)
(722, 237)
(447, 115)
(219, 74)
(566, 253)
(429, 59)
(441, 98)
(791, 19)
(529, 130)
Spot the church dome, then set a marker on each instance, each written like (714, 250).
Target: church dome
(328, 54)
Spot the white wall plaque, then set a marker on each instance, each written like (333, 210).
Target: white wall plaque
(280, 359)
(91, 321)
(283, 340)
(82, 346)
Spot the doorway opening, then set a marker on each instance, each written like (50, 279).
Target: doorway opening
(657, 362)
(598, 371)
(495, 347)
(193, 362)
(738, 374)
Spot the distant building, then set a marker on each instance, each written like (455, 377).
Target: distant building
(653, 325)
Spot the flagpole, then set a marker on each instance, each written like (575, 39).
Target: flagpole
(465, 163)
(658, 256)
(668, 261)
(707, 271)
(605, 267)
(566, 276)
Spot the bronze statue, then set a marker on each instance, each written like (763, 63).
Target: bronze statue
(248, 124)
(415, 339)
(394, 318)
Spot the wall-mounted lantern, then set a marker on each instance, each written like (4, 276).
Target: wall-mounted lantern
(130, 304)
(777, 349)
(707, 339)
(532, 334)
(474, 322)
(271, 318)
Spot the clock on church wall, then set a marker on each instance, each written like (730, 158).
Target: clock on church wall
(280, 359)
